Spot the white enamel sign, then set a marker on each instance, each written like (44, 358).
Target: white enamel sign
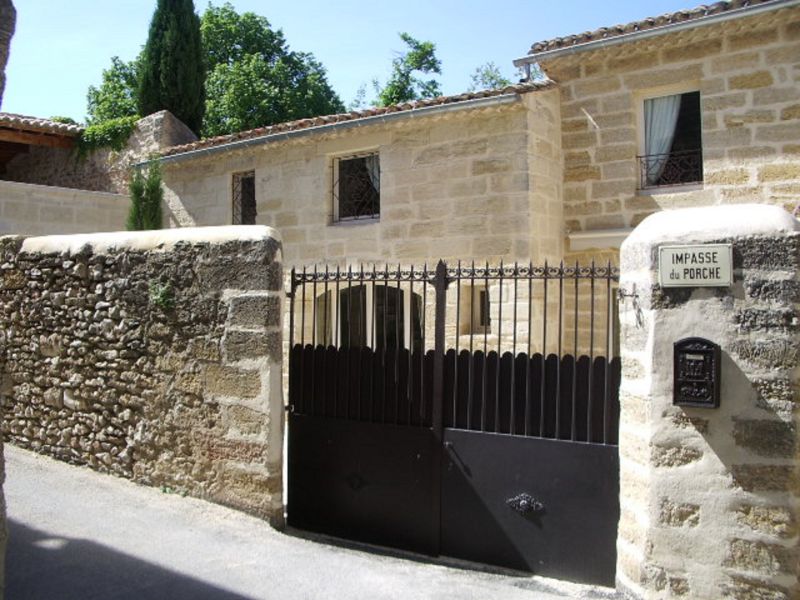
(702, 265)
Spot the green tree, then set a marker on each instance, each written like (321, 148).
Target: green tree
(172, 73)
(116, 95)
(254, 79)
(146, 197)
(487, 77)
(403, 85)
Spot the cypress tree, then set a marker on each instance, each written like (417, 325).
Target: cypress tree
(172, 75)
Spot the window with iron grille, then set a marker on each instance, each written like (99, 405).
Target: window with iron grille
(474, 309)
(244, 198)
(673, 153)
(356, 187)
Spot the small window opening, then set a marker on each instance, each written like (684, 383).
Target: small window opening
(244, 198)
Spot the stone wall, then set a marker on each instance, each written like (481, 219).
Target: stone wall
(103, 170)
(745, 71)
(28, 209)
(7, 21)
(154, 356)
(709, 497)
(457, 184)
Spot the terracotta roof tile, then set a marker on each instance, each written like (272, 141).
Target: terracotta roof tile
(35, 124)
(664, 20)
(308, 123)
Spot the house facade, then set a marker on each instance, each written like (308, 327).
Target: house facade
(556, 170)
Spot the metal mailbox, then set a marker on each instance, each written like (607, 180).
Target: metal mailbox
(697, 373)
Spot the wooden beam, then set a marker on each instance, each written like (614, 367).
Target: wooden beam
(52, 140)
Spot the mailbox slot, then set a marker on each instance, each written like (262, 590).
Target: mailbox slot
(696, 363)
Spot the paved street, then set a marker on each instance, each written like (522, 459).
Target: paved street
(76, 534)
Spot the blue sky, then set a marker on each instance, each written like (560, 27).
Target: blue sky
(61, 46)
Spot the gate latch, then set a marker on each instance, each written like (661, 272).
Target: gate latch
(525, 503)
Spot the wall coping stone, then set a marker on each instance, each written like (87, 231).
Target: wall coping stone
(696, 225)
(158, 240)
(51, 189)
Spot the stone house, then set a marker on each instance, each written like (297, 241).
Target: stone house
(563, 168)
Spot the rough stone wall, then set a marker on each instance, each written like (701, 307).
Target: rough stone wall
(746, 72)
(104, 170)
(453, 185)
(154, 356)
(29, 209)
(709, 497)
(8, 18)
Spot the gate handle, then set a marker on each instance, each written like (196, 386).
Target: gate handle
(525, 503)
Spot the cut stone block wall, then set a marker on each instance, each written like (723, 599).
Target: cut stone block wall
(155, 356)
(746, 72)
(29, 209)
(709, 497)
(472, 183)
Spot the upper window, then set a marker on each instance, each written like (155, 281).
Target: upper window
(673, 153)
(244, 198)
(357, 187)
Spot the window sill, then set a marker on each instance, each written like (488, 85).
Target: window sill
(671, 189)
(356, 222)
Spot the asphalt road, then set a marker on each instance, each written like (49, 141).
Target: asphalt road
(79, 535)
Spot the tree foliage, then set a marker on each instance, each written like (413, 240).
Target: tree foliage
(254, 79)
(403, 85)
(116, 95)
(487, 77)
(146, 197)
(172, 73)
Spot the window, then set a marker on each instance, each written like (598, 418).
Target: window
(244, 198)
(379, 316)
(672, 153)
(356, 188)
(474, 310)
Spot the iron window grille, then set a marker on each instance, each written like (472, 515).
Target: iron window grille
(356, 187)
(244, 198)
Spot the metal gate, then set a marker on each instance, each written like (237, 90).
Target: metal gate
(464, 411)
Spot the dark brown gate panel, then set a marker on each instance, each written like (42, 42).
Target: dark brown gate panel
(362, 481)
(464, 411)
(545, 506)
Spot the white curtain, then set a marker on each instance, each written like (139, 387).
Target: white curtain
(660, 117)
(373, 166)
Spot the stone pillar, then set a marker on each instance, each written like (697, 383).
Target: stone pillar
(709, 497)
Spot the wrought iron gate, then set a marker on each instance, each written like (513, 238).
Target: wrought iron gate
(465, 411)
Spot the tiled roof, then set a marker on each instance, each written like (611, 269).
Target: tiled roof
(35, 124)
(406, 107)
(663, 21)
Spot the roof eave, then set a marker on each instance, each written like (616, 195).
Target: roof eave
(652, 32)
(491, 101)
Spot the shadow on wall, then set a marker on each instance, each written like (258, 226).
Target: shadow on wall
(42, 567)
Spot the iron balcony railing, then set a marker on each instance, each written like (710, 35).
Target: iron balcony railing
(673, 168)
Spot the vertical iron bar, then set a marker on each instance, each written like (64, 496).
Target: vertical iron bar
(291, 309)
(544, 350)
(458, 324)
(314, 309)
(499, 353)
(349, 319)
(558, 345)
(513, 425)
(438, 400)
(591, 355)
(528, 359)
(336, 316)
(410, 386)
(423, 350)
(325, 316)
(607, 352)
(471, 339)
(574, 423)
(485, 353)
(303, 311)
(399, 309)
